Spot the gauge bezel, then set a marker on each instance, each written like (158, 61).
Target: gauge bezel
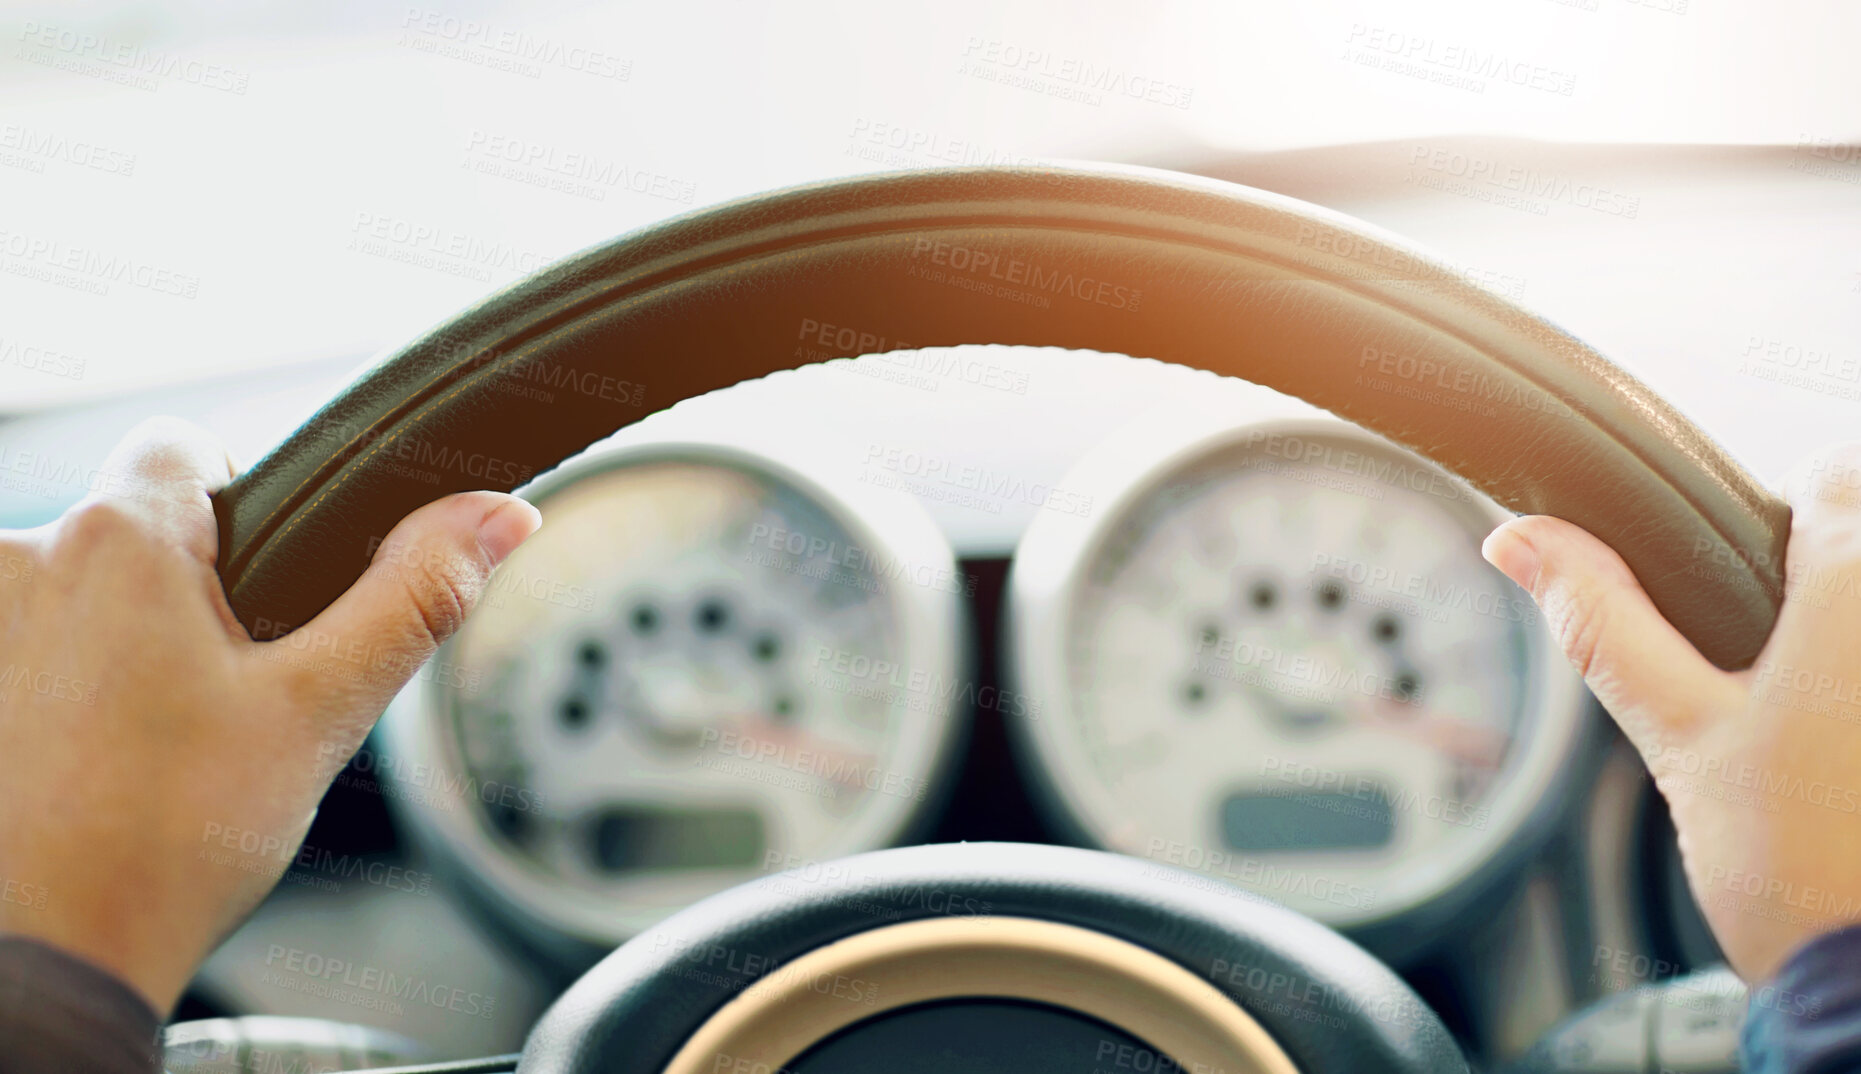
(1048, 575)
(570, 922)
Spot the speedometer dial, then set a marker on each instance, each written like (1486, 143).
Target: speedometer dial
(687, 673)
(1281, 661)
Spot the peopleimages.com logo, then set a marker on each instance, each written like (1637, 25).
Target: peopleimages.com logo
(372, 987)
(1020, 273)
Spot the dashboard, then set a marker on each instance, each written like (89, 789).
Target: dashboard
(1266, 650)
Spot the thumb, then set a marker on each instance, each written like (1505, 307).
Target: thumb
(424, 580)
(1649, 677)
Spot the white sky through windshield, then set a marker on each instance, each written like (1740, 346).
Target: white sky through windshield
(194, 188)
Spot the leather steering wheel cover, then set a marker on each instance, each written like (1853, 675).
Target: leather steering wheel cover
(1133, 261)
(1328, 1003)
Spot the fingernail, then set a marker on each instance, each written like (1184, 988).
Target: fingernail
(506, 526)
(1513, 555)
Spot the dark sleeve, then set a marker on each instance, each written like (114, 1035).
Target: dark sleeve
(62, 1015)
(1807, 1019)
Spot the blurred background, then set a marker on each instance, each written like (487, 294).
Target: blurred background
(215, 188)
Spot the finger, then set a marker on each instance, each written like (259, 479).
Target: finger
(1649, 677)
(1824, 493)
(167, 469)
(1821, 613)
(424, 580)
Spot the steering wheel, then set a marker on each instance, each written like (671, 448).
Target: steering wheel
(1076, 946)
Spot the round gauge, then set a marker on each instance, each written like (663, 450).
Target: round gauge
(703, 667)
(1281, 661)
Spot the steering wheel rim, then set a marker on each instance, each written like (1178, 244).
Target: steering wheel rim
(1327, 1004)
(1128, 260)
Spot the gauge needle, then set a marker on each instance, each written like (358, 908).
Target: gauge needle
(829, 760)
(1458, 739)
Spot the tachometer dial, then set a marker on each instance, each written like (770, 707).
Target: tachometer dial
(1280, 660)
(691, 674)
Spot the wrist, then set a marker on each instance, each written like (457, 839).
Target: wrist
(156, 968)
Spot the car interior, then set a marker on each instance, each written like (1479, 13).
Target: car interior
(1010, 595)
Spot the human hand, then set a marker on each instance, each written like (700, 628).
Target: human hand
(1761, 768)
(137, 718)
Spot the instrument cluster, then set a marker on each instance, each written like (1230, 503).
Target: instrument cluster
(1272, 654)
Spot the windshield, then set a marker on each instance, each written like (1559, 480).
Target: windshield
(199, 188)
